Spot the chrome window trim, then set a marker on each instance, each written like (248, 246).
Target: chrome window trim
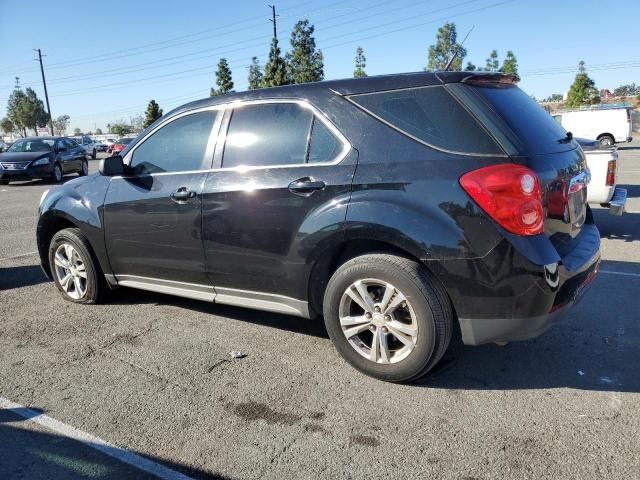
(209, 151)
(346, 145)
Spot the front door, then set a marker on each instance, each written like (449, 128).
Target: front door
(283, 187)
(152, 215)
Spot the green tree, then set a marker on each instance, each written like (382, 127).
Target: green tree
(510, 63)
(31, 111)
(361, 63)
(153, 113)
(555, 97)
(255, 74)
(7, 126)
(275, 71)
(445, 48)
(492, 63)
(304, 63)
(470, 67)
(223, 79)
(98, 131)
(583, 91)
(60, 124)
(77, 131)
(14, 108)
(121, 129)
(626, 90)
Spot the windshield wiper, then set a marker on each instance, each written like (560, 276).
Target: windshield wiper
(567, 138)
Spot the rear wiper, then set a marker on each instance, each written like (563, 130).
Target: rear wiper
(567, 138)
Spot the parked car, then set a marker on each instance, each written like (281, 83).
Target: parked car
(607, 124)
(42, 157)
(88, 144)
(394, 206)
(603, 189)
(109, 142)
(120, 145)
(101, 147)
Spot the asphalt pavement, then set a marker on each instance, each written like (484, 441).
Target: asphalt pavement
(151, 376)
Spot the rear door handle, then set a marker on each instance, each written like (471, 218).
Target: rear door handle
(306, 186)
(182, 195)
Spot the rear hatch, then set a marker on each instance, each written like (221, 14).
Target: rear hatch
(533, 138)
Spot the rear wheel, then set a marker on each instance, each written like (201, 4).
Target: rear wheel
(74, 271)
(606, 140)
(57, 173)
(388, 317)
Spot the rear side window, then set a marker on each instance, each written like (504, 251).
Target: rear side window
(267, 134)
(178, 146)
(323, 145)
(533, 126)
(430, 115)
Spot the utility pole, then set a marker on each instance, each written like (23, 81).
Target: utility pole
(273, 20)
(46, 95)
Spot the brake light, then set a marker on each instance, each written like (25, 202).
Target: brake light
(509, 194)
(611, 173)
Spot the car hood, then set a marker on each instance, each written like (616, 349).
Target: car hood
(21, 157)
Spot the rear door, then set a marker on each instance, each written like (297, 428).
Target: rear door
(282, 187)
(152, 215)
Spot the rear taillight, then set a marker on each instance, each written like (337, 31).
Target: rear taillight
(509, 194)
(611, 173)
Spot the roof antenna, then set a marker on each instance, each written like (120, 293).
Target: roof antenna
(455, 54)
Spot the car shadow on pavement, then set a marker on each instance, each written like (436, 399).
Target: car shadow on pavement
(22, 276)
(28, 450)
(625, 227)
(596, 347)
(311, 327)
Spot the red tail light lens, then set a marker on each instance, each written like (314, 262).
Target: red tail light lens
(509, 194)
(611, 173)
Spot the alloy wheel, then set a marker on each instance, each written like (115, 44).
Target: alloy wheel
(378, 321)
(85, 167)
(71, 271)
(57, 173)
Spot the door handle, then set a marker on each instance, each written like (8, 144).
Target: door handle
(182, 194)
(306, 186)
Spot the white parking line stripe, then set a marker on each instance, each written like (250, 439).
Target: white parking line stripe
(89, 440)
(18, 256)
(627, 274)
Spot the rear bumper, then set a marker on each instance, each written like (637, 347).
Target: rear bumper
(618, 201)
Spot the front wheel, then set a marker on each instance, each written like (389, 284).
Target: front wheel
(57, 173)
(74, 271)
(93, 154)
(4, 181)
(388, 316)
(606, 141)
(84, 170)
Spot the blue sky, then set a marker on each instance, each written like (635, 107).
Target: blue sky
(106, 60)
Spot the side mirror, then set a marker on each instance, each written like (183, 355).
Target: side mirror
(111, 166)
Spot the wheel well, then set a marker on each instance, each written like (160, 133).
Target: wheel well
(330, 261)
(46, 230)
(605, 135)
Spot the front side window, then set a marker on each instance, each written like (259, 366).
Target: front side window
(430, 115)
(70, 143)
(178, 146)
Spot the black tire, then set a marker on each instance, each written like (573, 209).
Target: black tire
(606, 140)
(93, 154)
(4, 181)
(57, 175)
(427, 297)
(95, 282)
(84, 169)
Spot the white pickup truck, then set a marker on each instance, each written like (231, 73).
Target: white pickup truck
(603, 165)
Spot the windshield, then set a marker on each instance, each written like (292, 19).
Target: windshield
(32, 145)
(534, 127)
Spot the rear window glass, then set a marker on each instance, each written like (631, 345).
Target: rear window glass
(431, 115)
(534, 127)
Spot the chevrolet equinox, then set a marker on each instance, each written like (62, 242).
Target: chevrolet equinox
(392, 206)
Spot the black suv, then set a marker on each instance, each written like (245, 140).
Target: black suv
(42, 157)
(394, 206)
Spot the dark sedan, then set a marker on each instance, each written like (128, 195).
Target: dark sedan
(42, 157)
